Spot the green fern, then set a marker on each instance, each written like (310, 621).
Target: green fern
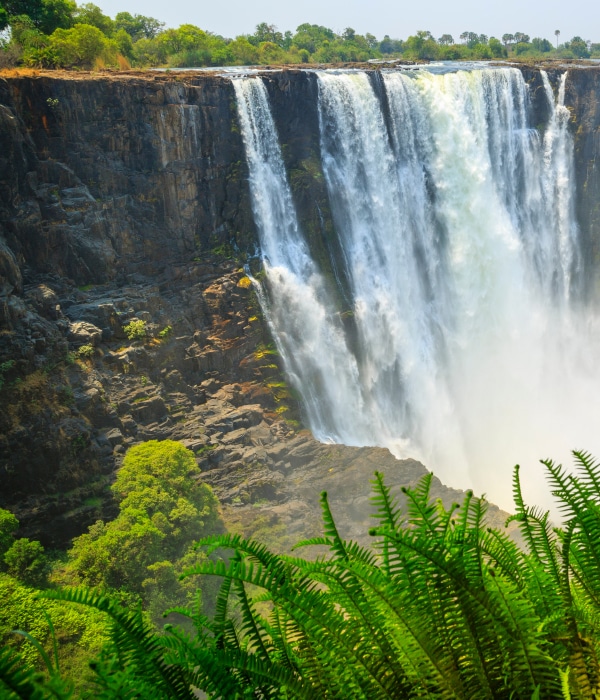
(440, 607)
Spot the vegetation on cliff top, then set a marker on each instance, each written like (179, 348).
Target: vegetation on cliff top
(441, 606)
(62, 34)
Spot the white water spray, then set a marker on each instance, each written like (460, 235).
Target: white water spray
(456, 222)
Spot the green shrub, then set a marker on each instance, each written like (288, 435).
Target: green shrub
(86, 351)
(81, 46)
(163, 508)
(26, 561)
(80, 632)
(135, 330)
(8, 526)
(166, 333)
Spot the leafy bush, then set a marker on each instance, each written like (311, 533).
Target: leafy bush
(86, 351)
(135, 330)
(81, 46)
(25, 561)
(163, 508)
(8, 526)
(80, 633)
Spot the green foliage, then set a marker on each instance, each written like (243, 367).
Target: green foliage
(91, 14)
(541, 45)
(496, 48)
(138, 26)
(441, 607)
(135, 330)
(137, 662)
(81, 46)
(578, 47)
(166, 333)
(86, 351)
(44, 15)
(17, 681)
(8, 526)
(25, 560)
(79, 633)
(163, 508)
(143, 41)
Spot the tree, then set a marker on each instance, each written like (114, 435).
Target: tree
(371, 41)
(80, 46)
(138, 26)
(266, 32)
(26, 561)
(481, 51)
(388, 45)
(541, 45)
(163, 508)
(521, 38)
(557, 34)
(4, 19)
(91, 14)
(348, 34)
(312, 36)
(579, 47)
(45, 15)
(470, 39)
(125, 46)
(8, 526)
(508, 39)
(270, 52)
(244, 53)
(421, 45)
(446, 39)
(498, 51)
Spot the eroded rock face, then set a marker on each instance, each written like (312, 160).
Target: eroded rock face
(123, 198)
(583, 100)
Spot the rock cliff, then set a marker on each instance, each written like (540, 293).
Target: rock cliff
(124, 198)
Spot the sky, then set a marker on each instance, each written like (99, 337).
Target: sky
(379, 17)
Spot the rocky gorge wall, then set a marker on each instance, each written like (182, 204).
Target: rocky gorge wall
(124, 197)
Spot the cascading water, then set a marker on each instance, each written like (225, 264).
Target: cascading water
(471, 348)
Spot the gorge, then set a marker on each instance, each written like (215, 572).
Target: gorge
(427, 266)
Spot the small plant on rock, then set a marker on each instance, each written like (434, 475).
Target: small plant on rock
(85, 352)
(135, 330)
(166, 333)
(5, 367)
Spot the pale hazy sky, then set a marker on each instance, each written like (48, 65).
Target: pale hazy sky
(398, 19)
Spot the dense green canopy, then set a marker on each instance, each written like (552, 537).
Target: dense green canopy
(143, 41)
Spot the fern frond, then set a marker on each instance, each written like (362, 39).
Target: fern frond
(330, 528)
(18, 682)
(135, 640)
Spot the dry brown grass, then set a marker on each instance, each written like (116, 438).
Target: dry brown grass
(19, 72)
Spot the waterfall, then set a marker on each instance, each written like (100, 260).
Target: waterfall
(472, 347)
